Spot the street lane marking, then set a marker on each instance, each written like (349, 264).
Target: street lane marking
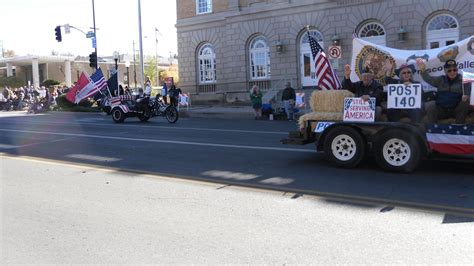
(162, 141)
(93, 158)
(7, 146)
(161, 127)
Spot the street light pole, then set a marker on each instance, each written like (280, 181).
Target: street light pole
(95, 33)
(156, 58)
(127, 65)
(140, 42)
(116, 58)
(134, 65)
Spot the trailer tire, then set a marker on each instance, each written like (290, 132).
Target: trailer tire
(397, 150)
(344, 147)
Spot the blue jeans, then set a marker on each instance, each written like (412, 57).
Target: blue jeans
(288, 109)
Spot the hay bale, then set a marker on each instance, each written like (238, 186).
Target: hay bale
(319, 116)
(329, 100)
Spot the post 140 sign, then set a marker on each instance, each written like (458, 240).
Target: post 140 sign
(358, 110)
(402, 96)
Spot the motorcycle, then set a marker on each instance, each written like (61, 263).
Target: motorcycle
(125, 106)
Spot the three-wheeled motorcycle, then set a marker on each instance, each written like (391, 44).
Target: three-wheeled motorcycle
(144, 108)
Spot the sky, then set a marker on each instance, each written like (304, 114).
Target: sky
(27, 26)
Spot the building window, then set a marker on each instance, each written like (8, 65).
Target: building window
(442, 30)
(207, 64)
(373, 32)
(203, 6)
(259, 58)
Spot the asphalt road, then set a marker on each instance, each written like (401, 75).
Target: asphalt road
(240, 152)
(77, 188)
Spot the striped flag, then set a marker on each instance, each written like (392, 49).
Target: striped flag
(97, 83)
(467, 77)
(451, 139)
(326, 77)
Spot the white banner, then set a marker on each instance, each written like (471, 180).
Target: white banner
(404, 96)
(383, 60)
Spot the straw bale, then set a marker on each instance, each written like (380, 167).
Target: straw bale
(329, 100)
(319, 116)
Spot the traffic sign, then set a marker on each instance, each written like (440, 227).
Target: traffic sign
(335, 52)
(90, 34)
(94, 43)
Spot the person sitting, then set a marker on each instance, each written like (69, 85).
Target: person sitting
(365, 89)
(452, 99)
(405, 75)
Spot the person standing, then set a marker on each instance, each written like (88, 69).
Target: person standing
(164, 93)
(147, 91)
(256, 100)
(173, 93)
(289, 98)
(452, 97)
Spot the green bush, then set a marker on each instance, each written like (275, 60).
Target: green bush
(50, 82)
(63, 103)
(83, 106)
(11, 82)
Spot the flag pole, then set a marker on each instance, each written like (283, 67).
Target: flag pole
(142, 81)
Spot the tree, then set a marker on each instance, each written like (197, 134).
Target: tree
(172, 71)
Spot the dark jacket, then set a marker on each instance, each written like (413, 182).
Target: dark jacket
(449, 91)
(288, 94)
(374, 89)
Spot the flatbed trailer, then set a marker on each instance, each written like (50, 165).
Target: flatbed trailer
(397, 147)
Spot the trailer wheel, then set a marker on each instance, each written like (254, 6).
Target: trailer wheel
(398, 151)
(344, 147)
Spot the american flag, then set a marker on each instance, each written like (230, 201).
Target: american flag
(451, 139)
(326, 77)
(467, 77)
(99, 81)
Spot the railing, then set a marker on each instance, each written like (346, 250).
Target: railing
(263, 85)
(206, 88)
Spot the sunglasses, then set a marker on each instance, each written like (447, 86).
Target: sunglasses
(406, 72)
(452, 70)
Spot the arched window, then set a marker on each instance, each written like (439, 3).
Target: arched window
(307, 73)
(373, 32)
(207, 64)
(442, 30)
(259, 58)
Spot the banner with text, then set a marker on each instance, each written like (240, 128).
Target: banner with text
(358, 110)
(402, 96)
(383, 61)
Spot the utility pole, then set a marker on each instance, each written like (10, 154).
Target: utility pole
(95, 34)
(142, 81)
(134, 65)
(156, 59)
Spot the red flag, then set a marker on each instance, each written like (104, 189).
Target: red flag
(81, 83)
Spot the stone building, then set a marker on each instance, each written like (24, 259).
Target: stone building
(226, 46)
